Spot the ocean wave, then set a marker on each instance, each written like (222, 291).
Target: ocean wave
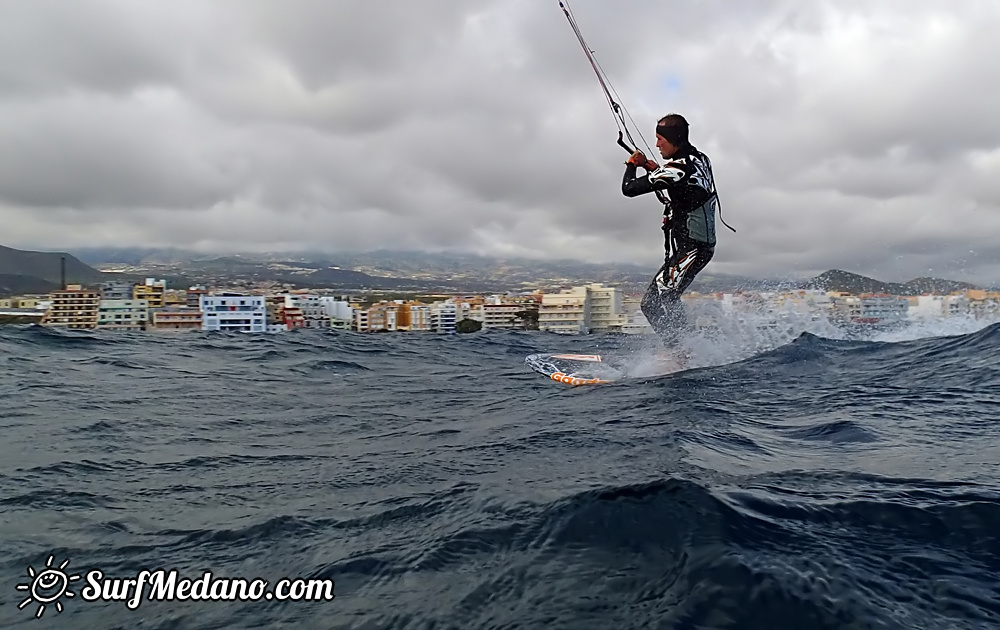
(799, 481)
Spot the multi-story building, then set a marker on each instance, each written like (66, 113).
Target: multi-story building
(883, 309)
(869, 309)
(382, 317)
(566, 312)
(122, 314)
(233, 312)
(443, 317)
(362, 322)
(311, 307)
(802, 301)
(606, 311)
(394, 316)
(508, 314)
(152, 291)
(469, 307)
(174, 298)
(418, 316)
(846, 308)
(117, 291)
(637, 324)
(502, 316)
(292, 317)
(274, 306)
(193, 296)
(176, 318)
(73, 307)
(340, 312)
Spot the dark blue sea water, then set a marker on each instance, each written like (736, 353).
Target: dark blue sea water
(822, 483)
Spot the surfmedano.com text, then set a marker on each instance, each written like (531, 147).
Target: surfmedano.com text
(165, 586)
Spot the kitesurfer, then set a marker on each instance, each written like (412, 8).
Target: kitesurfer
(686, 187)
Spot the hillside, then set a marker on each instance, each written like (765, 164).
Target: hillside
(11, 284)
(838, 280)
(46, 266)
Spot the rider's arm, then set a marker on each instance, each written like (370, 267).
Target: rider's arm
(660, 179)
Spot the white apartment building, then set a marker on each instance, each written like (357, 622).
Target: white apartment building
(322, 311)
(124, 314)
(465, 310)
(361, 320)
(585, 309)
(313, 308)
(637, 325)
(232, 312)
(502, 316)
(869, 309)
(566, 312)
(884, 308)
(444, 316)
(607, 310)
(420, 317)
(340, 313)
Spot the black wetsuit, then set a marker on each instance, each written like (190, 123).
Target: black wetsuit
(686, 187)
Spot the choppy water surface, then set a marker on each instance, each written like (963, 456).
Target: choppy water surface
(815, 483)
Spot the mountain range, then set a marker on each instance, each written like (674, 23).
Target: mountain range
(837, 280)
(39, 272)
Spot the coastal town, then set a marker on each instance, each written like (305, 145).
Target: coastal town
(151, 305)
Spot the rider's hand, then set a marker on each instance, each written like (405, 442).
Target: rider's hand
(638, 159)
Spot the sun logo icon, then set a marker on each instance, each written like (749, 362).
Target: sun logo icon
(48, 586)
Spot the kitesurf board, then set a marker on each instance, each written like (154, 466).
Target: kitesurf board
(595, 369)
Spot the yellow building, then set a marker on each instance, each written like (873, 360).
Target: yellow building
(174, 297)
(153, 291)
(6, 303)
(73, 307)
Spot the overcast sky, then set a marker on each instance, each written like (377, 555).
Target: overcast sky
(862, 135)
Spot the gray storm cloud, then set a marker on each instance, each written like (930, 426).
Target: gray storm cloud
(858, 135)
